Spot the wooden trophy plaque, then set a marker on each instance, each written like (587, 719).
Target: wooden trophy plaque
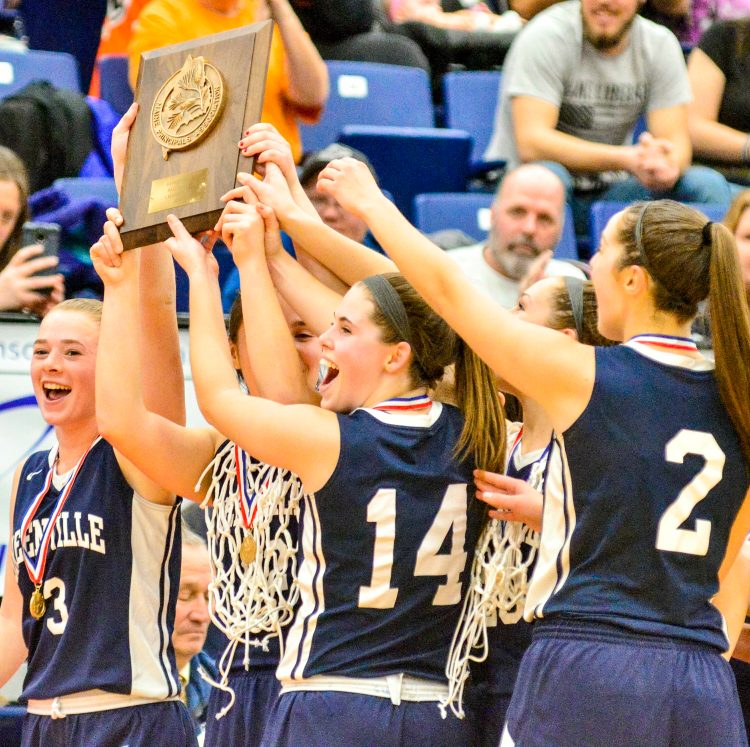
(196, 99)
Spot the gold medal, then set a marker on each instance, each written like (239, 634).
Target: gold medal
(248, 548)
(37, 607)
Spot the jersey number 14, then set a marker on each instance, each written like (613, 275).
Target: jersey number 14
(451, 517)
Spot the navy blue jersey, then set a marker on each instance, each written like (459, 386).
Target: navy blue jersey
(386, 547)
(110, 583)
(640, 497)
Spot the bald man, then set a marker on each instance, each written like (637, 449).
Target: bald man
(526, 221)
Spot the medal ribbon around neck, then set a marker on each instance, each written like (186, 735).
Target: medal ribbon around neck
(36, 570)
(684, 344)
(248, 507)
(404, 404)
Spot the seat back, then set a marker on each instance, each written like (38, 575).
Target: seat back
(18, 69)
(371, 93)
(470, 102)
(412, 160)
(114, 85)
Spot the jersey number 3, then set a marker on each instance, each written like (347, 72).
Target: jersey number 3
(670, 536)
(451, 517)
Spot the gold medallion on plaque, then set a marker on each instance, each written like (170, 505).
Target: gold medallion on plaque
(187, 106)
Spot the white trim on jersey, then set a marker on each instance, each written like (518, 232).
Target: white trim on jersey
(415, 420)
(559, 521)
(149, 636)
(299, 640)
(643, 345)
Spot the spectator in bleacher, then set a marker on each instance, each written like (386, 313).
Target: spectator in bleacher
(297, 81)
(719, 115)
(348, 30)
(690, 19)
(527, 218)
(20, 288)
(478, 17)
(191, 622)
(578, 78)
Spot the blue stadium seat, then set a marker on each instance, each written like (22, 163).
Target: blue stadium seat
(470, 102)
(469, 212)
(412, 160)
(114, 85)
(371, 93)
(602, 210)
(18, 69)
(102, 188)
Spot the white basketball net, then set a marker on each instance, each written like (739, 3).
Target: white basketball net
(251, 603)
(497, 593)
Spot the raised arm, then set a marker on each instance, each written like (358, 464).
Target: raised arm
(550, 368)
(272, 357)
(13, 651)
(306, 71)
(274, 433)
(346, 258)
(167, 454)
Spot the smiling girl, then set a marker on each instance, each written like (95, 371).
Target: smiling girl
(387, 525)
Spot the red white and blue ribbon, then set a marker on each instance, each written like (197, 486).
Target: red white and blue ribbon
(681, 344)
(36, 569)
(405, 404)
(248, 507)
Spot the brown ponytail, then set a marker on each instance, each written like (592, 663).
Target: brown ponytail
(483, 434)
(730, 323)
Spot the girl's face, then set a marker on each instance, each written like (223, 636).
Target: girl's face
(306, 343)
(605, 273)
(535, 304)
(353, 354)
(10, 209)
(63, 365)
(742, 236)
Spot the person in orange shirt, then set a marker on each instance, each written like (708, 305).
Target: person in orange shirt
(297, 82)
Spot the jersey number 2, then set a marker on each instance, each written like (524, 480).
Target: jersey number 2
(451, 516)
(670, 536)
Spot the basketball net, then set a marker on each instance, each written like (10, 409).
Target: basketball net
(250, 603)
(496, 594)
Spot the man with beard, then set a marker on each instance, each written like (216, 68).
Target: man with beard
(576, 81)
(526, 222)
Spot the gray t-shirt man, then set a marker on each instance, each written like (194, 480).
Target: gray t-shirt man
(599, 97)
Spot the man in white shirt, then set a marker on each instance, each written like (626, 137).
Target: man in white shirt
(526, 218)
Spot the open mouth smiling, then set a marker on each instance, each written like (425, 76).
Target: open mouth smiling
(55, 392)
(327, 372)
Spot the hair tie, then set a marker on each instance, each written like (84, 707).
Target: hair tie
(707, 233)
(386, 298)
(574, 287)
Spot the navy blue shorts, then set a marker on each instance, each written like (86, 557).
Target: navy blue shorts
(243, 725)
(323, 719)
(156, 724)
(487, 709)
(588, 685)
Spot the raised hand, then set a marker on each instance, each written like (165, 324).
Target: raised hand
(272, 191)
(119, 147)
(264, 141)
(510, 499)
(242, 229)
(189, 253)
(111, 262)
(352, 185)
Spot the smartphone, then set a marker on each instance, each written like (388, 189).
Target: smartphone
(46, 234)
